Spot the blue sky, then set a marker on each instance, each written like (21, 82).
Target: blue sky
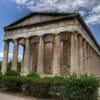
(11, 10)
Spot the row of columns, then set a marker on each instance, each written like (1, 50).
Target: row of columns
(84, 59)
(26, 56)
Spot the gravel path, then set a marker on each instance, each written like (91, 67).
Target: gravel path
(9, 96)
(6, 96)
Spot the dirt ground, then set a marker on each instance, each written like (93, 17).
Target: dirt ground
(9, 96)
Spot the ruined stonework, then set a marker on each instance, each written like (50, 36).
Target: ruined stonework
(54, 44)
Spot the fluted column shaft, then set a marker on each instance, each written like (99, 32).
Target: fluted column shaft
(22, 63)
(89, 63)
(92, 69)
(90, 60)
(99, 64)
(15, 56)
(57, 56)
(5, 57)
(81, 66)
(93, 62)
(40, 64)
(85, 57)
(26, 57)
(96, 63)
(74, 53)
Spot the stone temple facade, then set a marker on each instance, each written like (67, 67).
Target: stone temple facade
(54, 44)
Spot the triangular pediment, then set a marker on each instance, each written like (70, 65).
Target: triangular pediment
(33, 19)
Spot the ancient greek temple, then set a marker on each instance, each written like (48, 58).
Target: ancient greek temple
(54, 44)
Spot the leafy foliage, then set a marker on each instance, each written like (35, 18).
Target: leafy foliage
(80, 88)
(12, 73)
(12, 83)
(0, 65)
(33, 75)
(72, 87)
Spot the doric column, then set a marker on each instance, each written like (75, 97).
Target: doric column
(86, 67)
(96, 70)
(85, 57)
(40, 61)
(99, 64)
(93, 62)
(90, 60)
(31, 58)
(96, 63)
(57, 56)
(15, 55)
(22, 63)
(26, 57)
(74, 53)
(89, 63)
(81, 66)
(5, 57)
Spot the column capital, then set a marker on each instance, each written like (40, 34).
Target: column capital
(8, 40)
(34, 39)
(16, 41)
(75, 32)
(48, 37)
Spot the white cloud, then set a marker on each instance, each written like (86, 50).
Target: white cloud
(93, 19)
(96, 9)
(85, 7)
(82, 12)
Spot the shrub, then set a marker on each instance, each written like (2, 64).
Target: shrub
(1, 80)
(12, 83)
(72, 87)
(38, 88)
(33, 75)
(80, 88)
(56, 82)
(12, 73)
